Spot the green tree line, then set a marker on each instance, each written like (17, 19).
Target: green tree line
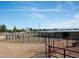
(3, 28)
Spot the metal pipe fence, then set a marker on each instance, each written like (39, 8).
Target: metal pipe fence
(24, 37)
(50, 44)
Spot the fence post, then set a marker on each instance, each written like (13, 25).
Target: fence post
(33, 37)
(64, 53)
(49, 51)
(49, 48)
(45, 46)
(12, 36)
(15, 37)
(28, 38)
(9, 37)
(23, 38)
(6, 36)
(67, 42)
(53, 45)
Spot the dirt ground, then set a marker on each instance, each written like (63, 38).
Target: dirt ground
(27, 50)
(18, 50)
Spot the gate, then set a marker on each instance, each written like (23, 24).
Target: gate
(52, 49)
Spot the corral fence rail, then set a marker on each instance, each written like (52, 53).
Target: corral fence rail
(24, 37)
(64, 52)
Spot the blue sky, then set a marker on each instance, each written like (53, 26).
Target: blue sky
(40, 14)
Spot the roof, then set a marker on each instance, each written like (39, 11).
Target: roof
(60, 31)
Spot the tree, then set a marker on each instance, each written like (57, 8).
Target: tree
(3, 27)
(55, 29)
(31, 29)
(34, 30)
(0, 28)
(9, 30)
(44, 29)
(14, 29)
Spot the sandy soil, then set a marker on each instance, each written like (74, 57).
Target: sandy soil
(2, 38)
(19, 49)
(63, 44)
(26, 50)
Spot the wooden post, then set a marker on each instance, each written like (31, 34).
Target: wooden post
(64, 51)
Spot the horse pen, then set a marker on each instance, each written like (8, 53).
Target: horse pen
(32, 45)
(20, 45)
(24, 38)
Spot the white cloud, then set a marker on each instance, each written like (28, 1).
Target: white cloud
(34, 3)
(69, 23)
(50, 10)
(71, 3)
(40, 16)
(66, 5)
(31, 9)
(76, 16)
(37, 13)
